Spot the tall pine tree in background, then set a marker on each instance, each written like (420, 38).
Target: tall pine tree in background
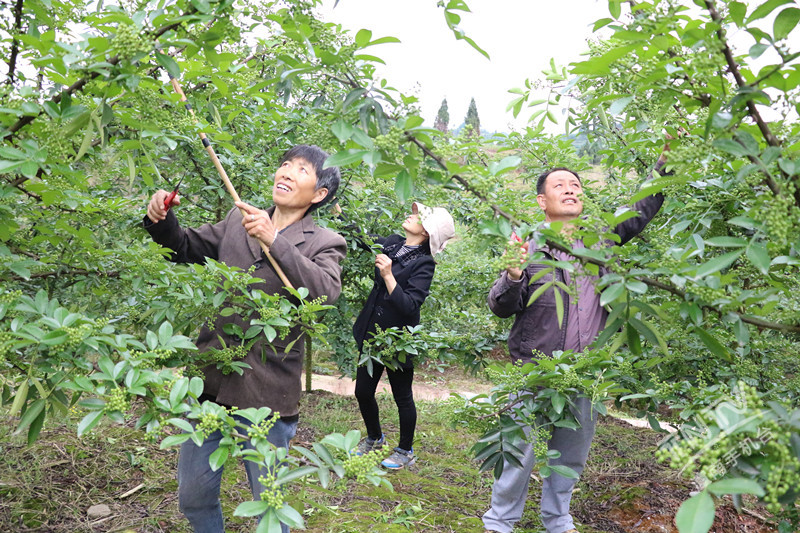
(472, 119)
(442, 117)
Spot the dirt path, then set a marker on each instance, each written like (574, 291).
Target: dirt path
(345, 386)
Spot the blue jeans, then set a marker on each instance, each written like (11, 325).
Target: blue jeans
(199, 485)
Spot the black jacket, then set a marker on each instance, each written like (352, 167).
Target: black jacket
(413, 273)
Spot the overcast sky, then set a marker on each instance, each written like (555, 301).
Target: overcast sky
(521, 36)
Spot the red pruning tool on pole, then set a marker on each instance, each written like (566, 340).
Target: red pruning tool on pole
(169, 200)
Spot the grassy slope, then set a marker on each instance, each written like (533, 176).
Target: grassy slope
(49, 487)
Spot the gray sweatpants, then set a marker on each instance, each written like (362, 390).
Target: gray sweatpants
(511, 490)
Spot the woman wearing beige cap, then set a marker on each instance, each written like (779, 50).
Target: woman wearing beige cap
(403, 275)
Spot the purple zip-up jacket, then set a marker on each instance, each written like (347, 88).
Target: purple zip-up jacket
(536, 326)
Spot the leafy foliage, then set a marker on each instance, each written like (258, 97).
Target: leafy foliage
(91, 313)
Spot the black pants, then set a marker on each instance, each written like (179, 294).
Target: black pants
(400, 380)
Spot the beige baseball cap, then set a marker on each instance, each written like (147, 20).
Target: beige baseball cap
(438, 223)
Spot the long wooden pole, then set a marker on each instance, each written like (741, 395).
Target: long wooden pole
(224, 175)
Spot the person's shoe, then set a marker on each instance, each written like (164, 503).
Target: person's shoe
(399, 459)
(573, 530)
(367, 445)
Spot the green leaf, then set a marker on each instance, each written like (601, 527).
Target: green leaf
(564, 471)
(757, 49)
(36, 427)
(32, 412)
(403, 186)
(713, 344)
(178, 392)
(737, 10)
(86, 143)
(54, 338)
(601, 23)
(362, 38)
(342, 130)
(766, 8)
(344, 158)
(726, 242)
(615, 8)
(289, 516)
(174, 440)
(558, 401)
(618, 106)
(758, 255)
(164, 333)
(559, 306)
(696, 515)
(650, 333)
(785, 22)
(89, 421)
(218, 458)
(634, 342)
(611, 293)
(169, 64)
(737, 485)
(730, 146)
(507, 163)
(251, 508)
(269, 523)
(718, 263)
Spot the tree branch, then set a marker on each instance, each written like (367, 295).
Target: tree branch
(69, 273)
(770, 137)
(463, 182)
(79, 85)
(788, 328)
(734, 68)
(12, 57)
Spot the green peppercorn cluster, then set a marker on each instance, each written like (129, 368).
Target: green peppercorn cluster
(268, 313)
(59, 149)
(261, 430)
(511, 377)
(707, 295)
(777, 215)
(117, 401)
(225, 356)
(76, 335)
(567, 379)
(155, 430)
(539, 437)
(391, 142)
(209, 423)
(360, 467)
(272, 493)
(154, 358)
(713, 453)
(10, 297)
(514, 256)
(307, 314)
(128, 42)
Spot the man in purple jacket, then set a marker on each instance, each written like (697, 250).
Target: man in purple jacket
(536, 327)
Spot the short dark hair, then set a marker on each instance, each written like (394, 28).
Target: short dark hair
(328, 178)
(543, 178)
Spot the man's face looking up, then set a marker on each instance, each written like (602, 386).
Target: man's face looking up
(561, 199)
